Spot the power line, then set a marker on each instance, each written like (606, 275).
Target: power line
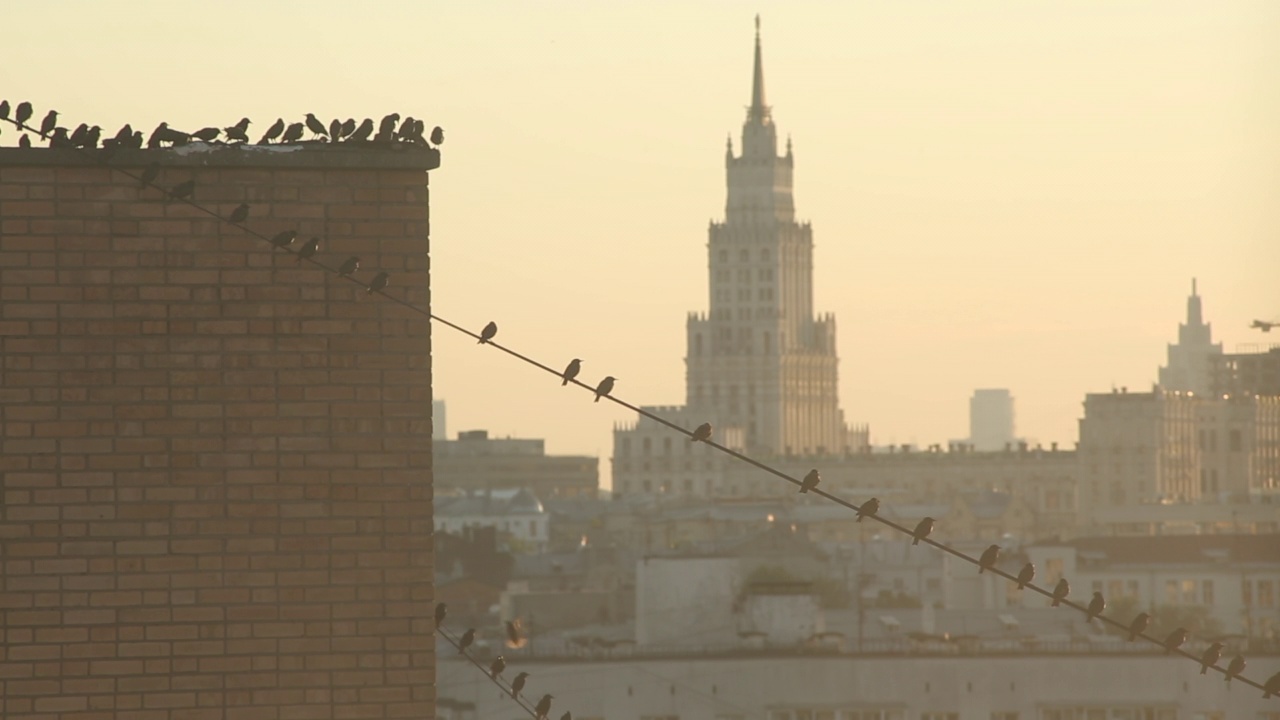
(496, 680)
(488, 340)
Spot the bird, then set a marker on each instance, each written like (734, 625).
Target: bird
(182, 190)
(702, 433)
(379, 282)
(1096, 605)
(293, 133)
(515, 638)
(239, 131)
(605, 387)
(284, 238)
(406, 128)
(868, 509)
(123, 136)
(150, 174)
(49, 123)
(1060, 592)
(810, 481)
(23, 113)
(1271, 687)
(1140, 623)
(4, 109)
(348, 266)
(315, 126)
(543, 707)
(208, 134)
(437, 135)
(24, 141)
(136, 141)
(1026, 575)
(442, 610)
(497, 666)
(923, 528)
(58, 138)
(335, 130)
(387, 128)
(1175, 640)
(567, 715)
(306, 251)
(1235, 668)
(415, 133)
(571, 371)
(988, 559)
(468, 637)
(348, 127)
(363, 132)
(488, 332)
(1210, 657)
(518, 684)
(240, 214)
(273, 132)
(77, 135)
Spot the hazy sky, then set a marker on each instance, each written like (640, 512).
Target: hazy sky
(1004, 194)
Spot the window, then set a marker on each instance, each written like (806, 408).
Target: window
(1189, 592)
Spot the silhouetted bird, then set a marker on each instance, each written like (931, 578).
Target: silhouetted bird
(150, 174)
(1026, 575)
(363, 132)
(605, 387)
(988, 559)
(406, 128)
(437, 135)
(240, 214)
(348, 266)
(49, 123)
(468, 637)
(923, 528)
(335, 130)
(868, 509)
(515, 635)
(518, 684)
(567, 715)
(273, 132)
(315, 126)
(77, 135)
(1060, 592)
(1175, 640)
(348, 127)
(442, 610)
(810, 480)
(182, 190)
(157, 134)
(208, 134)
(1096, 605)
(702, 432)
(1235, 668)
(1271, 687)
(293, 133)
(137, 142)
(488, 332)
(124, 135)
(543, 707)
(415, 133)
(1210, 657)
(308, 250)
(1139, 624)
(23, 113)
(284, 238)
(58, 138)
(379, 282)
(24, 141)
(387, 128)
(4, 109)
(91, 138)
(571, 371)
(239, 131)
(497, 666)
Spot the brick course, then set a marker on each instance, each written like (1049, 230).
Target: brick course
(215, 466)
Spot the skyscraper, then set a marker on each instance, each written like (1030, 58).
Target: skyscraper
(991, 423)
(1191, 359)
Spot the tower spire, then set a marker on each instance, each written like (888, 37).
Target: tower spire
(759, 111)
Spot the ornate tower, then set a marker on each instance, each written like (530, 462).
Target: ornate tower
(1190, 360)
(759, 360)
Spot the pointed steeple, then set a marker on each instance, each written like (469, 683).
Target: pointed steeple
(1194, 312)
(758, 111)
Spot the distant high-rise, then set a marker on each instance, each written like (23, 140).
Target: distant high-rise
(991, 419)
(1191, 359)
(439, 428)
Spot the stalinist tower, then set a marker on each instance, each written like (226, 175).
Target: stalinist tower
(760, 367)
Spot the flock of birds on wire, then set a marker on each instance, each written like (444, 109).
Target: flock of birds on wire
(392, 129)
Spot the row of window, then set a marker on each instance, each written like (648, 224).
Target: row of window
(744, 275)
(745, 256)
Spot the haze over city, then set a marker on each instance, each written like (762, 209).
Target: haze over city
(1002, 194)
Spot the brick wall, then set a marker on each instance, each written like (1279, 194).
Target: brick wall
(216, 465)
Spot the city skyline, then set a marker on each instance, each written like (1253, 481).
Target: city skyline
(1005, 195)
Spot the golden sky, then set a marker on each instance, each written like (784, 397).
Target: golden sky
(1003, 193)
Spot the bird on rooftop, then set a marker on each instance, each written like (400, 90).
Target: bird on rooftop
(571, 371)
(1026, 575)
(387, 128)
(273, 132)
(810, 481)
(379, 282)
(923, 528)
(348, 266)
(23, 113)
(308, 250)
(515, 635)
(77, 135)
(49, 123)
(4, 109)
(182, 190)
(701, 433)
(605, 387)
(488, 332)
(124, 135)
(1210, 657)
(136, 141)
(437, 135)
(1096, 605)
(363, 132)
(239, 131)
(1060, 592)
(1139, 624)
(518, 684)
(868, 509)
(497, 666)
(150, 174)
(1175, 640)
(284, 238)
(293, 133)
(154, 140)
(58, 138)
(207, 134)
(315, 126)
(406, 128)
(442, 610)
(240, 214)
(988, 559)
(468, 637)
(1235, 668)
(543, 707)
(335, 130)
(348, 126)
(24, 141)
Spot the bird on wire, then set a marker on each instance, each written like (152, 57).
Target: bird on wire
(468, 637)
(284, 238)
(989, 558)
(1026, 575)
(379, 282)
(571, 371)
(1096, 605)
(240, 214)
(1060, 592)
(810, 481)
(517, 684)
(348, 266)
(150, 174)
(543, 707)
(488, 332)
(183, 190)
(497, 666)
(1210, 658)
(605, 387)
(868, 509)
(702, 433)
(49, 123)
(923, 528)
(1139, 624)
(442, 611)
(1175, 640)
(1235, 668)
(307, 251)
(4, 109)
(23, 113)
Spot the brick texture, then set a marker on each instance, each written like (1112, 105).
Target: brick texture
(216, 467)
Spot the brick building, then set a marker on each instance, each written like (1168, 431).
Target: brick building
(216, 465)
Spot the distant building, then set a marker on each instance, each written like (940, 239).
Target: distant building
(1192, 357)
(517, 515)
(1246, 373)
(991, 420)
(439, 426)
(476, 462)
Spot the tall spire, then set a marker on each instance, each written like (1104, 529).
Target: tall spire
(1194, 313)
(758, 111)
